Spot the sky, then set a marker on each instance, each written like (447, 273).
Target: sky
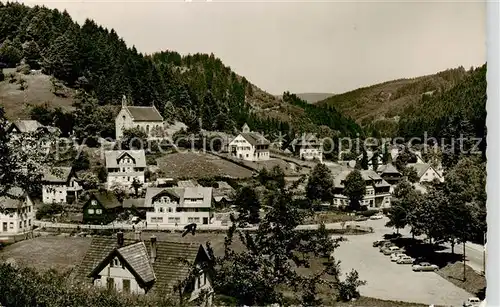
(323, 47)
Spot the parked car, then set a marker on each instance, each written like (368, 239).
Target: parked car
(376, 217)
(379, 243)
(405, 260)
(424, 266)
(395, 257)
(385, 246)
(361, 219)
(472, 302)
(392, 250)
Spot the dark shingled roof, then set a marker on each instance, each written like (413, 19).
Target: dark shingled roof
(148, 114)
(57, 174)
(167, 268)
(26, 125)
(14, 202)
(107, 199)
(255, 138)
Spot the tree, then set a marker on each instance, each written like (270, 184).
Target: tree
(256, 274)
(134, 138)
(411, 174)
(102, 173)
(348, 289)
(136, 185)
(10, 53)
(405, 199)
(320, 184)
(89, 180)
(364, 160)
(375, 161)
(248, 206)
(31, 54)
(354, 189)
(82, 162)
(61, 59)
(386, 156)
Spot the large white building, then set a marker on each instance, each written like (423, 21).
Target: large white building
(308, 147)
(124, 166)
(250, 146)
(17, 214)
(148, 119)
(60, 185)
(425, 172)
(179, 206)
(377, 194)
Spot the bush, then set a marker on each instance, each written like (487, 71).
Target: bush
(348, 289)
(2, 76)
(386, 210)
(25, 69)
(49, 209)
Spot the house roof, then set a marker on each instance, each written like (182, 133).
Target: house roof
(420, 167)
(255, 138)
(167, 268)
(387, 169)
(107, 199)
(145, 114)
(366, 174)
(137, 257)
(26, 125)
(112, 157)
(181, 194)
(14, 202)
(57, 174)
(186, 183)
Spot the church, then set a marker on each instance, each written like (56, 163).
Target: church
(148, 119)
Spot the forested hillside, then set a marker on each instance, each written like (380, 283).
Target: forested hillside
(195, 89)
(384, 101)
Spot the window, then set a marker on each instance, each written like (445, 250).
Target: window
(98, 211)
(29, 222)
(169, 209)
(110, 283)
(161, 209)
(126, 285)
(94, 202)
(25, 223)
(29, 209)
(90, 211)
(20, 224)
(156, 219)
(11, 225)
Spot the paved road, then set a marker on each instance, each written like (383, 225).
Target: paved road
(388, 280)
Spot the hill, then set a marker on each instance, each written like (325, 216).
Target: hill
(390, 99)
(311, 97)
(197, 89)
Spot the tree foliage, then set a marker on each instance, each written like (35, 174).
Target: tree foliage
(320, 184)
(354, 189)
(248, 206)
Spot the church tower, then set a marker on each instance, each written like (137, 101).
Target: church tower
(245, 128)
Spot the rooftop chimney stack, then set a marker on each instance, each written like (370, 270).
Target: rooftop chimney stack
(153, 249)
(119, 236)
(138, 235)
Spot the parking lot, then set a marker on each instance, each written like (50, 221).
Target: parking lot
(388, 280)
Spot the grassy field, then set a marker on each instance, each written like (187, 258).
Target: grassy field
(474, 283)
(199, 165)
(60, 253)
(38, 92)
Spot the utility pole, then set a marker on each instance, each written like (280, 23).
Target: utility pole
(484, 253)
(463, 244)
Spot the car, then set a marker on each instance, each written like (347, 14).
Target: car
(395, 257)
(376, 217)
(405, 260)
(424, 267)
(392, 250)
(379, 243)
(472, 302)
(385, 246)
(361, 219)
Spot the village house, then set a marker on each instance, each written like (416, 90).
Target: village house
(102, 207)
(425, 172)
(389, 173)
(179, 206)
(146, 118)
(17, 214)
(249, 146)
(124, 166)
(24, 126)
(308, 147)
(60, 185)
(147, 267)
(377, 194)
(223, 194)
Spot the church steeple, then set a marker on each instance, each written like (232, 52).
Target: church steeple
(124, 101)
(245, 128)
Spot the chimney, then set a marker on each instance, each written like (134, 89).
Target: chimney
(153, 249)
(119, 236)
(138, 235)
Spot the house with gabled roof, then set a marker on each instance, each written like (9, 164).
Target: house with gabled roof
(377, 194)
(147, 267)
(389, 173)
(308, 147)
(17, 212)
(250, 146)
(102, 207)
(147, 118)
(60, 185)
(124, 166)
(24, 126)
(425, 172)
(179, 206)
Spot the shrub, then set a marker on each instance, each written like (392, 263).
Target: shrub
(348, 289)
(368, 213)
(25, 69)
(48, 210)
(2, 76)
